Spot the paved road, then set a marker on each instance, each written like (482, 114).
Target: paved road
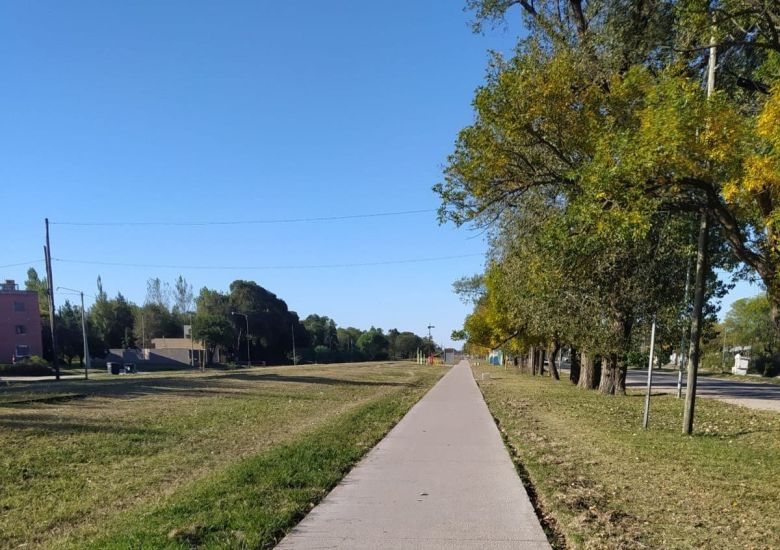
(749, 394)
(441, 479)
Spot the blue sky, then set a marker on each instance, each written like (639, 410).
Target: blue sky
(202, 111)
(184, 111)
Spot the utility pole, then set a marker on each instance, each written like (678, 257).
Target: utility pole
(646, 421)
(696, 322)
(699, 288)
(87, 360)
(49, 279)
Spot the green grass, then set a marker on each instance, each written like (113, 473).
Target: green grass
(228, 459)
(606, 483)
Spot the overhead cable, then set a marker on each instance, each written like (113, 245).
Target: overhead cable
(247, 222)
(268, 267)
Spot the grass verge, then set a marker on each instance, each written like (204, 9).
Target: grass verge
(253, 503)
(186, 459)
(606, 483)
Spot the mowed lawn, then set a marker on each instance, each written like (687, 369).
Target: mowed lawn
(603, 482)
(229, 459)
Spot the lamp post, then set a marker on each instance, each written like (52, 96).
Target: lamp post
(192, 345)
(87, 361)
(430, 343)
(246, 317)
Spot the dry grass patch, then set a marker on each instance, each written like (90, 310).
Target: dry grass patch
(609, 484)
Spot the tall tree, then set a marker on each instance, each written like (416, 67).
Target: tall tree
(213, 323)
(158, 292)
(182, 296)
(70, 343)
(113, 319)
(271, 323)
(373, 343)
(669, 142)
(36, 284)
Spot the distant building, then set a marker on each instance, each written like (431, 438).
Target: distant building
(741, 361)
(20, 323)
(496, 357)
(451, 356)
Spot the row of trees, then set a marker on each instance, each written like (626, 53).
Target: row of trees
(220, 320)
(747, 328)
(593, 161)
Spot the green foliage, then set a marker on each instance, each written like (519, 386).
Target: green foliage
(32, 366)
(38, 285)
(373, 343)
(322, 331)
(213, 330)
(271, 324)
(749, 323)
(70, 340)
(183, 297)
(112, 319)
(592, 151)
(153, 320)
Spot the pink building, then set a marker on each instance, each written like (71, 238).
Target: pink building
(20, 322)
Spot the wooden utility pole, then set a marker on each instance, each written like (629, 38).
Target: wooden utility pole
(50, 293)
(699, 288)
(696, 322)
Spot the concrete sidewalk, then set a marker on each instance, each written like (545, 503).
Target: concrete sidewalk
(441, 478)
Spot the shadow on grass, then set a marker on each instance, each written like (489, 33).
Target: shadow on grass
(51, 423)
(310, 380)
(178, 385)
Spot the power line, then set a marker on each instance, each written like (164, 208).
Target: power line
(22, 263)
(251, 222)
(269, 267)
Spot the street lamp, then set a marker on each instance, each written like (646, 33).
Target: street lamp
(192, 346)
(245, 316)
(87, 361)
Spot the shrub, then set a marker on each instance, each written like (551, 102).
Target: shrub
(767, 365)
(34, 366)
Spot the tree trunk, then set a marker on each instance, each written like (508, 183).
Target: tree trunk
(554, 348)
(609, 368)
(574, 368)
(598, 362)
(620, 373)
(774, 304)
(534, 361)
(541, 362)
(587, 379)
